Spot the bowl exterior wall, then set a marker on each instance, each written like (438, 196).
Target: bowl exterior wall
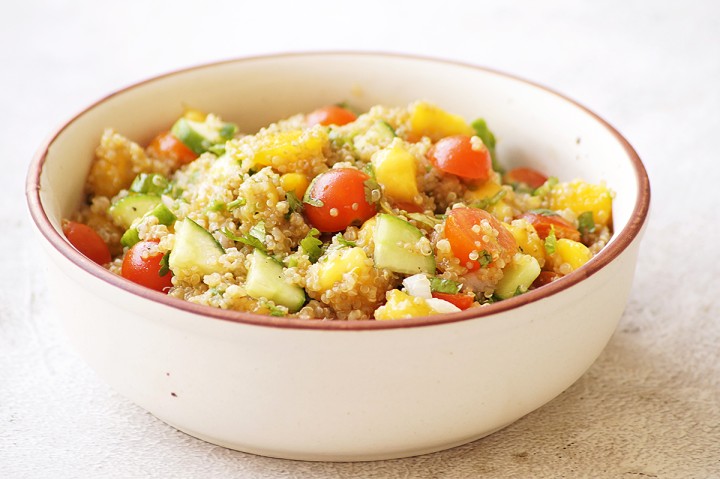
(324, 394)
(339, 395)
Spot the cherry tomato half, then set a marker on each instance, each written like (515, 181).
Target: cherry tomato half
(462, 301)
(544, 223)
(167, 146)
(87, 241)
(336, 199)
(455, 155)
(142, 265)
(525, 176)
(466, 230)
(331, 115)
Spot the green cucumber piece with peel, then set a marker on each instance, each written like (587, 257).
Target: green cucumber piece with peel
(195, 249)
(265, 280)
(397, 247)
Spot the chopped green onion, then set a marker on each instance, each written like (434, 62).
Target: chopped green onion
(343, 242)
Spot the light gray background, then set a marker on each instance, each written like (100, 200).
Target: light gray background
(649, 407)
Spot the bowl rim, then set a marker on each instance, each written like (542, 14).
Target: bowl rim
(620, 242)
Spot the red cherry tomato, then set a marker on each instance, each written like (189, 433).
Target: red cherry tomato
(167, 146)
(87, 241)
(466, 230)
(455, 155)
(544, 223)
(462, 301)
(336, 199)
(331, 115)
(525, 176)
(141, 265)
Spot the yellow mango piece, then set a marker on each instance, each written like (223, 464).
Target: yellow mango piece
(579, 197)
(572, 252)
(339, 263)
(527, 239)
(435, 123)
(295, 182)
(287, 147)
(401, 305)
(483, 191)
(395, 170)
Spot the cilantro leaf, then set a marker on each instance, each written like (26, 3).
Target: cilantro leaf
(164, 264)
(341, 239)
(295, 204)
(586, 223)
(255, 237)
(312, 245)
(484, 258)
(545, 188)
(442, 285)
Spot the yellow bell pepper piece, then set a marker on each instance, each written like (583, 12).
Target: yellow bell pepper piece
(579, 197)
(435, 123)
(395, 170)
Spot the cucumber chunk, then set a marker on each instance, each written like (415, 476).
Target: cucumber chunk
(265, 281)
(132, 207)
(397, 247)
(200, 136)
(517, 276)
(195, 249)
(161, 212)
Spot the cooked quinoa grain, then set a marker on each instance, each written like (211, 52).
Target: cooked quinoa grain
(337, 216)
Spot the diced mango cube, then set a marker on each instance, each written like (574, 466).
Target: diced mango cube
(580, 197)
(435, 123)
(483, 191)
(395, 170)
(401, 305)
(572, 252)
(527, 239)
(340, 263)
(295, 182)
(290, 147)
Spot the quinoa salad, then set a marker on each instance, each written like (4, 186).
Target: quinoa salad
(335, 214)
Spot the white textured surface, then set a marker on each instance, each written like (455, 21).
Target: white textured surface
(649, 407)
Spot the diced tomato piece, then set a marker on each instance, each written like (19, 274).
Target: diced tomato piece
(167, 146)
(543, 223)
(462, 301)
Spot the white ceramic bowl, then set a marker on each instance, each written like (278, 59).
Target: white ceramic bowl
(324, 390)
